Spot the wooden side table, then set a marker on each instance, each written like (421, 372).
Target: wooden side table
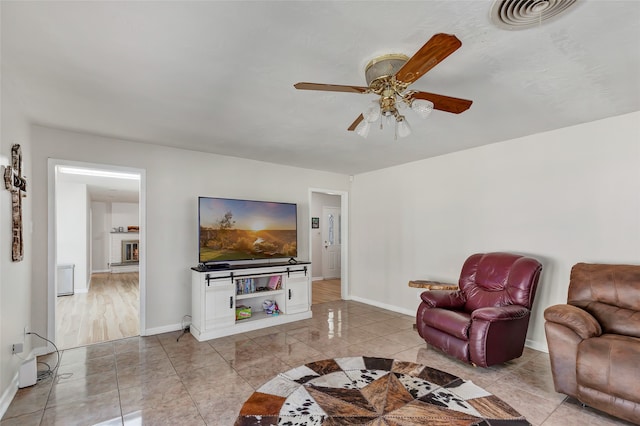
(432, 285)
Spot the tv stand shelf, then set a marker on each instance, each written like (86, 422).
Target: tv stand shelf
(215, 294)
(270, 293)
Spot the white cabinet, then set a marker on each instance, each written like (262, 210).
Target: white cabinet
(215, 295)
(297, 294)
(219, 305)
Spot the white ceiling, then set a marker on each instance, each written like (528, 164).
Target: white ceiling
(217, 76)
(105, 189)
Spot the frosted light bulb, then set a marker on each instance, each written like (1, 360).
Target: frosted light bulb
(402, 127)
(372, 113)
(362, 129)
(422, 107)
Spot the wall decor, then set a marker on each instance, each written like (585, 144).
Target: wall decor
(17, 185)
(315, 222)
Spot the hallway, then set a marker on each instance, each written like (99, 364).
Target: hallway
(325, 291)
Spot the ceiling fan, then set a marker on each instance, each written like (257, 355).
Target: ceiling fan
(389, 76)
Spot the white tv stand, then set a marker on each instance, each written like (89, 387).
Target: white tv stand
(215, 295)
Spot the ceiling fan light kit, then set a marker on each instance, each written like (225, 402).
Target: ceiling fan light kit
(389, 76)
(381, 69)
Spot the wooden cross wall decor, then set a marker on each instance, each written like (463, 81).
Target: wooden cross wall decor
(17, 184)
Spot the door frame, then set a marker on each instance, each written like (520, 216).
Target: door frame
(344, 253)
(51, 237)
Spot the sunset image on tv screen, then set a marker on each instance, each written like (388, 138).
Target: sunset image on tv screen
(242, 229)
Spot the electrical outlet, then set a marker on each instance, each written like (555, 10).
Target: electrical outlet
(17, 348)
(26, 330)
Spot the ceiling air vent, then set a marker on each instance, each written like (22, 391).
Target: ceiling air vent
(522, 14)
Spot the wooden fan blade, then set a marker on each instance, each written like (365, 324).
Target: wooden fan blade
(355, 123)
(431, 54)
(444, 103)
(331, 87)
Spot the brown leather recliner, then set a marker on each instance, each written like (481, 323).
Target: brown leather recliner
(594, 339)
(485, 321)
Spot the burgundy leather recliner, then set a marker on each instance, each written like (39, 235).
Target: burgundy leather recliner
(485, 321)
(594, 339)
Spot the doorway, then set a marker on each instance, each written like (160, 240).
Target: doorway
(330, 225)
(96, 253)
(328, 245)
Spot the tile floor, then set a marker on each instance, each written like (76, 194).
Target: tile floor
(158, 380)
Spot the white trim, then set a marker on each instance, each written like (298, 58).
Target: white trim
(51, 243)
(51, 250)
(410, 312)
(43, 350)
(344, 253)
(533, 344)
(81, 290)
(11, 390)
(317, 279)
(163, 329)
(8, 394)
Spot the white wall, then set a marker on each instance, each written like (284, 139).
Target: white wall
(100, 228)
(124, 214)
(175, 178)
(15, 277)
(71, 218)
(565, 196)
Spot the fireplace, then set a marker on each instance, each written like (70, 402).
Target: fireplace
(129, 251)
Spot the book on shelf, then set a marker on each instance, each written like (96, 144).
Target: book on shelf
(245, 286)
(275, 282)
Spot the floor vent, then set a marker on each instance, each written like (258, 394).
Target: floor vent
(522, 14)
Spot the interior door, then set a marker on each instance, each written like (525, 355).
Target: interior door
(331, 242)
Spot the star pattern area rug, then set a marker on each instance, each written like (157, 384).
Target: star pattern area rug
(375, 392)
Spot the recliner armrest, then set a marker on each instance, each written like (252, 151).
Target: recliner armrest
(443, 299)
(500, 313)
(580, 321)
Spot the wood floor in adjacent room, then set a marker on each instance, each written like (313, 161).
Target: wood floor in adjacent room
(109, 311)
(325, 291)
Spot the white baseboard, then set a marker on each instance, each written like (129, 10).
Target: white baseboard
(8, 394)
(532, 344)
(163, 329)
(100, 271)
(317, 278)
(10, 391)
(410, 312)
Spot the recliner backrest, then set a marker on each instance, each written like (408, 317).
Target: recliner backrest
(499, 279)
(611, 293)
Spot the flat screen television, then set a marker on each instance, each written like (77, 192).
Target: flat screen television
(236, 230)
